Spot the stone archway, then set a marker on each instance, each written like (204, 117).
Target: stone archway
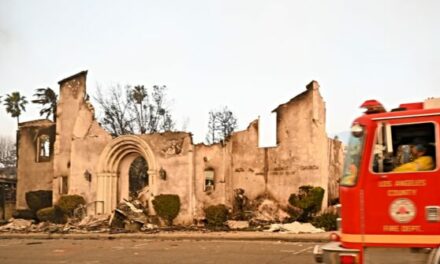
(121, 150)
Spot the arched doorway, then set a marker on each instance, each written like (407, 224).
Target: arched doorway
(138, 179)
(113, 174)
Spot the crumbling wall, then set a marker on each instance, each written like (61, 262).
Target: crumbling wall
(80, 140)
(85, 152)
(31, 174)
(301, 156)
(215, 159)
(72, 93)
(173, 152)
(249, 163)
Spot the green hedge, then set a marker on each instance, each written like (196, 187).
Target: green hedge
(52, 214)
(37, 200)
(167, 207)
(27, 214)
(326, 221)
(216, 215)
(68, 203)
(309, 200)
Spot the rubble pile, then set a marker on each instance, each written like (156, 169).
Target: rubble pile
(130, 217)
(94, 222)
(270, 211)
(295, 228)
(16, 225)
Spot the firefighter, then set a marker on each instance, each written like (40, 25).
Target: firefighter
(422, 161)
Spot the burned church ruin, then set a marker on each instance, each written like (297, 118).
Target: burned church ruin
(76, 155)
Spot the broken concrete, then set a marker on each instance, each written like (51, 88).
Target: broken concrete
(129, 217)
(234, 225)
(95, 222)
(16, 225)
(295, 228)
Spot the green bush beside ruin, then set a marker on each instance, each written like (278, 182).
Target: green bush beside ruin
(27, 214)
(167, 207)
(327, 221)
(216, 215)
(37, 200)
(68, 203)
(52, 214)
(309, 200)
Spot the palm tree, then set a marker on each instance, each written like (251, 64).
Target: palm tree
(15, 104)
(139, 94)
(46, 96)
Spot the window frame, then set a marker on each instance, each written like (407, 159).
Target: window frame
(205, 186)
(38, 157)
(361, 155)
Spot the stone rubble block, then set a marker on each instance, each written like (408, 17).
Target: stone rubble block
(237, 224)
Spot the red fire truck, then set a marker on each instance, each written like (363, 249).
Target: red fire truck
(390, 188)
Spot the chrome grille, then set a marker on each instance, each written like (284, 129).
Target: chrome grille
(433, 213)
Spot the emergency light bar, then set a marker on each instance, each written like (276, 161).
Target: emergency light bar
(373, 107)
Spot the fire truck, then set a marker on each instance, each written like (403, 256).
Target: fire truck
(389, 209)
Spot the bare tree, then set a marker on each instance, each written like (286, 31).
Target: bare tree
(221, 124)
(130, 110)
(7, 152)
(116, 117)
(159, 118)
(212, 135)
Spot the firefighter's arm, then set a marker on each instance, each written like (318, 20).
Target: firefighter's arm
(410, 166)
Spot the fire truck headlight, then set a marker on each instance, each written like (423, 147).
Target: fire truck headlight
(357, 130)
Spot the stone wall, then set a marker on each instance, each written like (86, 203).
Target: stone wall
(33, 174)
(174, 155)
(80, 140)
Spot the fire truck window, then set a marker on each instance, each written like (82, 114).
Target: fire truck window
(352, 160)
(412, 148)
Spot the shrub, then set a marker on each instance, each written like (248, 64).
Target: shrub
(52, 214)
(24, 214)
(167, 207)
(37, 200)
(326, 221)
(216, 215)
(68, 203)
(308, 199)
(294, 212)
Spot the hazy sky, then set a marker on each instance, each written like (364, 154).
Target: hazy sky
(249, 55)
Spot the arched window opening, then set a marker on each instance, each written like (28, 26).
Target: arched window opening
(138, 177)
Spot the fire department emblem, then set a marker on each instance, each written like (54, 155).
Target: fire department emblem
(402, 210)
